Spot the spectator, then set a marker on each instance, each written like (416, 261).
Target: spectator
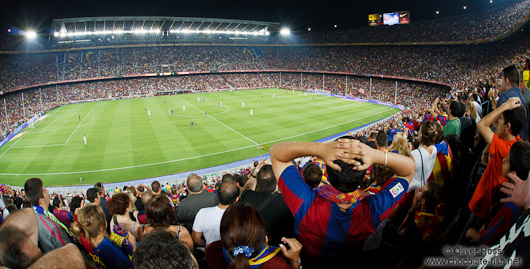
(90, 231)
(510, 88)
(510, 119)
(63, 215)
(270, 204)
(93, 197)
(244, 243)
(119, 208)
(425, 156)
(208, 219)
(161, 249)
(198, 199)
(52, 232)
(346, 167)
(160, 216)
(517, 163)
(381, 141)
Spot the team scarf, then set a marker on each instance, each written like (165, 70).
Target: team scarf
(428, 222)
(265, 254)
(52, 217)
(331, 194)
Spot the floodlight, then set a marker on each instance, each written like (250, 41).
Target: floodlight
(285, 31)
(437, 12)
(30, 34)
(465, 7)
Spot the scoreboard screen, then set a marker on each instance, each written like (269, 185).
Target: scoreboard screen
(391, 18)
(375, 19)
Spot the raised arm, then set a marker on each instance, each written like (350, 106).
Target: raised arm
(434, 110)
(283, 153)
(402, 166)
(484, 125)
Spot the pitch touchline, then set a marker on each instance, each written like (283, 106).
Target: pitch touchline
(183, 159)
(221, 123)
(20, 138)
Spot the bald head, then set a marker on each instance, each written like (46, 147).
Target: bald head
(194, 182)
(26, 221)
(228, 192)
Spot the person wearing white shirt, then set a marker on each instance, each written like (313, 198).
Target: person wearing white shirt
(206, 227)
(424, 156)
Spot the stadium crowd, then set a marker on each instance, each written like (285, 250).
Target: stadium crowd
(477, 26)
(399, 175)
(386, 191)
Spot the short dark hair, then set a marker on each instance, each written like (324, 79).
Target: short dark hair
(155, 186)
(75, 203)
(433, 196)
(56, 201)
(12, 253)
(228, 192)
(266, 181)
(373, 135)
(243, 180)
(100, 188)
(159, 212)
(517, 119)
(346, 180)
(161, 249)
(381, 139)
(457, 109)
(140, 189)
(312, 175)
(227, 177)
(33, 187)
(194, 182)
(511, 73)
(92, 194)
(519, 156)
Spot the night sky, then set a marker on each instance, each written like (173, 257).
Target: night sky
(297, 15)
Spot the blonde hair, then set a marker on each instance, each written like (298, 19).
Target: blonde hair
(472, 109)
(90, 222)
(400, 143)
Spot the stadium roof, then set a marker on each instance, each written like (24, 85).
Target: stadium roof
(158, 25)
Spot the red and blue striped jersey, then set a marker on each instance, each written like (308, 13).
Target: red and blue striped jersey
(323, 227)
(442, 119)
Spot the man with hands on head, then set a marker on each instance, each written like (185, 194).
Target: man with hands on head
(332, 221)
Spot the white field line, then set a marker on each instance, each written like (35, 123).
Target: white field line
(222, 123)
(55, 145)
(78, 125)
(18, 139)
(187, 158)
(44, 130)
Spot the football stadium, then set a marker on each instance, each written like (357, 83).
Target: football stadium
(292, 135)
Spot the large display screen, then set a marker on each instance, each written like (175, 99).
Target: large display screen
(391, 18)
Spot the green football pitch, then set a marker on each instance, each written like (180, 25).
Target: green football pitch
(125, 143)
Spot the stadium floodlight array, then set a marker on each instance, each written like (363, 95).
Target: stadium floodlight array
(197, 31)
(108, 32)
